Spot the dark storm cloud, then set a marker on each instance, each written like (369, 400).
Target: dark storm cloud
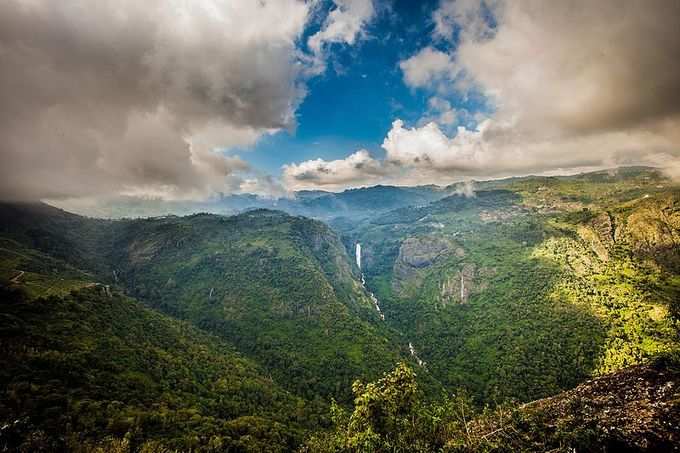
(133, 96)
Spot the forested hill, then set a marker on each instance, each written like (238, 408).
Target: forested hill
(81, 367)
(280, 288)
(528, 286)
(213, 333)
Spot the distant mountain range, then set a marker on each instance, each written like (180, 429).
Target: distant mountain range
(213, 332)
(353, 203)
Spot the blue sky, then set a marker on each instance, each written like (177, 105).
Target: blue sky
(352, 105)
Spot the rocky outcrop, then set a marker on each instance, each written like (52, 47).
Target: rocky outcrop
(415, 254)
(457, 287)
(650, 227)
(636, 409)
(653, 231)
(422, 251)
(599, 233)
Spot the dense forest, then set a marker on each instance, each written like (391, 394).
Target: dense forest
(91, 365)
(259, 331)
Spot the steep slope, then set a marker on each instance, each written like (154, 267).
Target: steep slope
(279, 287)
(518, 292)
(39, 274)
(92, 364)
(75, 240)
(634, 410)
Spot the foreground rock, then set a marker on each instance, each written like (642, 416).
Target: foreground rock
(637, 409)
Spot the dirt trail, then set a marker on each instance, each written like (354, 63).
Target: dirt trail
(15, 280)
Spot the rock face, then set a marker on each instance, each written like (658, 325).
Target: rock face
(634, 410)
(599, 233)
(457, 287)
(651, 228)
(653, 231)
(422, 251)
(417, 253)
(469, 279)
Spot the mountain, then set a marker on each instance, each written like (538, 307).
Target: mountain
(210, 332)
(280, 288)
(353, 203)
(534, 284)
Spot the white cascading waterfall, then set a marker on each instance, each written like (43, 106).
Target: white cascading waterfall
(357, 254)
(414, 354)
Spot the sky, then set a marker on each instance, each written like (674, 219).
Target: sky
(179, 99)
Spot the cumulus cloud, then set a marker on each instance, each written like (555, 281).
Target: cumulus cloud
(343, 25)
(355, 169)
(479, 153)
(128, 96)
(427, 67)
(575, 85)
(123, 96)
(580, 67)
(447, 116)
(472, 18)
(265, 186)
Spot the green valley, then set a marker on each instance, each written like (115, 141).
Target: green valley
(258, 331)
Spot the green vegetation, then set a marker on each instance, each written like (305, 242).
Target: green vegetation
(280, 288)
(243, 329)
(552, 293)
(86, 366)
(391, 415)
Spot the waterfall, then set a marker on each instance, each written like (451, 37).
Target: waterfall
(414, 354)
(375, 304)
(462, 287)
(357, 253)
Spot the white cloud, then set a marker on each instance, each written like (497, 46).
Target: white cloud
(470, 16)
(426, 67)
(428, 147)
(576, 85)
(342, 26)
(264, 186)
(426, 155)
(477, 153)
(122, 96)
(353, 170)
(440, 111)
